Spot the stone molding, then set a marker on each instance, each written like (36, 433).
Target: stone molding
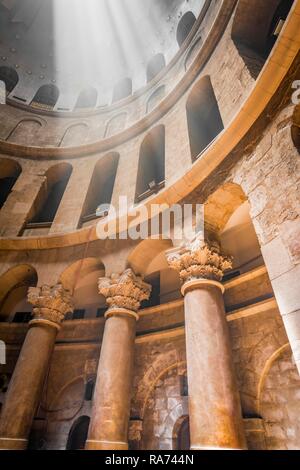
(124, 291)
(50, 304)
(199, 260)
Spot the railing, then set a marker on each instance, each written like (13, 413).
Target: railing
(151, 191)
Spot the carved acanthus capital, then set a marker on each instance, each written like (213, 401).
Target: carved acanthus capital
(199, 260)
(125, 291)
(50, 303)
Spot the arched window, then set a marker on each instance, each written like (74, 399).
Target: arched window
(10, 77)
(51, 193)
(255, 29)
(155, 65)
(46, 97)
(203, 115)
(151, 170)
(9, 173)
(185, 26)
(101, 187)
(87, 98)
(122, 90)
(78, 434)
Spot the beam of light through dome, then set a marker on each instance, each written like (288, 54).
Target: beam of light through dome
(99, 42)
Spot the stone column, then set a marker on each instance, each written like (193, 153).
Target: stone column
(51, 304)
(214, 402)
(111, 408)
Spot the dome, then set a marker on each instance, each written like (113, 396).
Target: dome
(80, 55)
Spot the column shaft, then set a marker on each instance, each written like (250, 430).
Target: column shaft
(214, 403)
(111, 408)
(51, 304)
(26, 386)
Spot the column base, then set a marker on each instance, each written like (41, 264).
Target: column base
(10, 443)
(105, 445)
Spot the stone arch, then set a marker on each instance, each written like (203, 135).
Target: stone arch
(81, 278)
(228, 219)
(143, 254)
(155, 98)
(62, 409)
(159, 367)
(74, 135)
(267, 366)
(165, 281)
(81, 267)
(256, 26)
(10, 171)
(203, 116)
(221, 204)
(25, 132)
(176, 406)
(14, 284)
(63, 406)
(192, 52)
(115, 125)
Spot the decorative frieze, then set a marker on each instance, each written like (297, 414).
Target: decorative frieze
(199, 260)
(124, 291)
(50, 303)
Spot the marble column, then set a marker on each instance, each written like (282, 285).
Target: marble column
(50, 305)
(111, 407)
(214, 402)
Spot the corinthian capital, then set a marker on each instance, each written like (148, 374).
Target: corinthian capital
(50, 303)
(125, 291)
(199, 260)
